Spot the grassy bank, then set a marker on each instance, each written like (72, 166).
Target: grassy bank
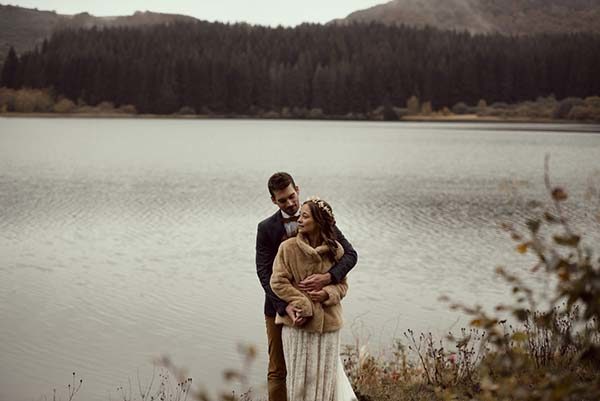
(536, 348)
(43, 103)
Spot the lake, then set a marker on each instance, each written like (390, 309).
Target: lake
(123, 240)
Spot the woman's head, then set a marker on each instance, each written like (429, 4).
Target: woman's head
(316, 218)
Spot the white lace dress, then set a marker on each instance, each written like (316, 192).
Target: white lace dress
(314, 367)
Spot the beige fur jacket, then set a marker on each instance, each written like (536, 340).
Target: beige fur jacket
(295, 261)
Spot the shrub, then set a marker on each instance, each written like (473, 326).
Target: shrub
(64, 106)
(299, 112)
(86, 109)
(128, 109)
(106, 106)
(286, 113)
(186, 110)
(426, 108)
(401, 112)
(315, 113)
(551, 353)
(33, 100)
(482, 104)
(7, 99)
(460, 108)
(555, 354)
(593, 101)
(413, 105)
(271, 114)
(563, 108)
(581, 113)
(499, 105)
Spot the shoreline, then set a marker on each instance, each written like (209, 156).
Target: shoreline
(465, 118)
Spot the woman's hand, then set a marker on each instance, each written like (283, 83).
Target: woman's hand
(318, 296)
(296, 315)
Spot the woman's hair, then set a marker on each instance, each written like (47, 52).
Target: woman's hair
(323, 216)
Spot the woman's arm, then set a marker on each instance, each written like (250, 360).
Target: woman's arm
(281, 284)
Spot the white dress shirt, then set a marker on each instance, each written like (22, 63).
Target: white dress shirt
(291, 228)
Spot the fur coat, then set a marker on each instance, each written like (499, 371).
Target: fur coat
(295, 261)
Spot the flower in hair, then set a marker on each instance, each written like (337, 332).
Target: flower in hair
(321, 205)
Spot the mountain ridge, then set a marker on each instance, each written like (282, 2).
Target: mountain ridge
(508, 17)
(24, 28)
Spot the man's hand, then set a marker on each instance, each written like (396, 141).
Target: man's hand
(318, 296)
(295, 314)
(315, 282)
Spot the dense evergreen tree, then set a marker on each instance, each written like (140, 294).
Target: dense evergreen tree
(242, 69)
(11, 71)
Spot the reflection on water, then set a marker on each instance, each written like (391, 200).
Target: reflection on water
(123, 240)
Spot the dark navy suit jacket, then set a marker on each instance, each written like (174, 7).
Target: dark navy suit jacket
(271, 232)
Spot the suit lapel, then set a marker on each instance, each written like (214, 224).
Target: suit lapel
(278, 227)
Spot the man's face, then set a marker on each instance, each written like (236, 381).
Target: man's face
(287, 199)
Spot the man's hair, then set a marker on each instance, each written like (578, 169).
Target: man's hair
(279, 181)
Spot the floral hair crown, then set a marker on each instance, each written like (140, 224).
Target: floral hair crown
(321, 205)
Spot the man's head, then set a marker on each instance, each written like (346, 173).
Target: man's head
(284, 192)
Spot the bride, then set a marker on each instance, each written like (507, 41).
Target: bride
(311, 334)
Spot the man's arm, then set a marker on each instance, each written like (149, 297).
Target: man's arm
(264, 269)
(346, 263)
(336, 292)
(337, 272)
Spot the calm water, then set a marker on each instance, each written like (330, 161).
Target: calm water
(125, 240)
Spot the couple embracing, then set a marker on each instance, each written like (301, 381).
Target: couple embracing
(302, 260)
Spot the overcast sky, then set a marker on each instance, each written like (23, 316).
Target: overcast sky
(264, 12)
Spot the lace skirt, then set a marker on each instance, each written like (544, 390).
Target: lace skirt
(314, 367)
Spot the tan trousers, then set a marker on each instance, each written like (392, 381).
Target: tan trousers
(277, 372)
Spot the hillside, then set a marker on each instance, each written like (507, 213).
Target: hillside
(24, 28)
(509, 17)
(237, 69)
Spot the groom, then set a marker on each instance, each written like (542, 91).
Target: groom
(271, 233)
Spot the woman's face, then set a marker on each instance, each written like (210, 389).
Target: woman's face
(306, 223)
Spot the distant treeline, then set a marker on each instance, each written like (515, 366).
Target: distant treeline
(242, 69)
